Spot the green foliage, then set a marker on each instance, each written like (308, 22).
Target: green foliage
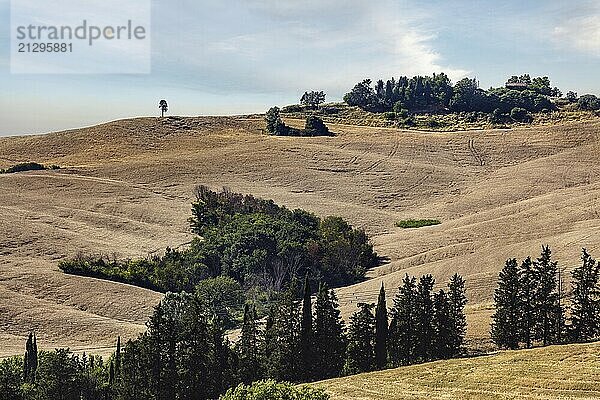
(315, 127)
(588, 102)
(275, 125)
(313, 99)
(416, 223)
(381, 330)
(11, 378)
(528, 303)
(271, 390)
(520, 115)
(436, 95)
(306, 334)
(360, 356)
(328, 335)
(585, 309)
(572, 97)
(222, 296)
(253, 241)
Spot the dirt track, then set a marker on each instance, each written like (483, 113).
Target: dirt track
(127, 187)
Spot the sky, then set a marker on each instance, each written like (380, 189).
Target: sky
(225, 57)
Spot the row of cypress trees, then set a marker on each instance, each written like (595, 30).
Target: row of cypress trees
(531, 303)
(422, 325)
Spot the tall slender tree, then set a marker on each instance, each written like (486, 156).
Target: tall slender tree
(425, 331)
(403, 326)
(329, 337)
(527, 301)
(505, 320)
(585, 302)
(306, 334)
(360, 355)
(457, 300)
(550, 315)
(443, 325)
(381, 330)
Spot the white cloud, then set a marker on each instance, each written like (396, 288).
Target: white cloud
(291, 46)
(581, 33)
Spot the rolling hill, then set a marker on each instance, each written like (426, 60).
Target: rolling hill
(555, 372)
(125, 187)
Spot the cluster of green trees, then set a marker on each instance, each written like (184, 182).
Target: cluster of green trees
(56, 375)
(531, 304)
(256, 242)
(185, 354)
(314, 125)
(27, 166)
(436, 94)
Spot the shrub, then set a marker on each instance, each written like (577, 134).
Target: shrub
(390, 115)
(271, 390)
(520, 115)
(416, 223)
(28, 166)
(588, 102)
(315, 127)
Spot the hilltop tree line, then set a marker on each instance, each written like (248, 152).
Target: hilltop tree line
(259, 244)
(531, 304)
(185, 354)
(435, 94)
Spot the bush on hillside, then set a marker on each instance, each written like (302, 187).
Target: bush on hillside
(27, 166)
(271, 390)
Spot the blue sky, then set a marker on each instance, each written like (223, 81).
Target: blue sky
(242, 56)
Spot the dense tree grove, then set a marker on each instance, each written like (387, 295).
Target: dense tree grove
(255, 242)
(185, 353)
(530, 303)
(436, 94)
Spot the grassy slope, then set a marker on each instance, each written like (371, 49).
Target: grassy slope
(127, 187)
(555, 372)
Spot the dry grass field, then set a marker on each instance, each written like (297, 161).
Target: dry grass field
(556, 372)
(126, 187)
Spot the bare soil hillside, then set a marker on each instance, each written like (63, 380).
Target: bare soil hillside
(126, 188)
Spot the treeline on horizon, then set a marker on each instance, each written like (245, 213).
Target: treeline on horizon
(436, 94)
(533, 308)
(185, 354)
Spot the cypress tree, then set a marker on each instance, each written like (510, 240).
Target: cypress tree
(528, 282)
(585, 302)
(30, 362)
(550, 315)
(381, 330)
(457, 300)
(403, 327)
(118, 358)
(505, 320)
(443, 325)
(306, 357)
(111, 373)
(425, 333)
(360, 354)
(328, 334)
(286, 353)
